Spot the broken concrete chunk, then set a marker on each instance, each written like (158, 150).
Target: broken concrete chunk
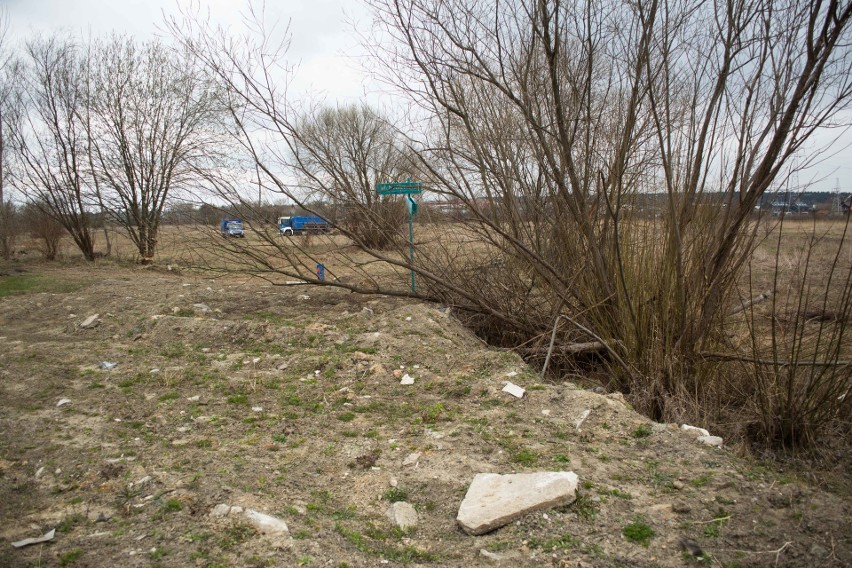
(273, 528)
(694, 430)
(28, 541)
(582, 418)
(411, 459)
(203, 308)
(494, 500)
(90, 321)
(514, 390)
(407, 380)
(709, 440)
(402, 515)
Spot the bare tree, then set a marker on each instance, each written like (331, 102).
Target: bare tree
(8, 115)
(51, 143)
(609, 155)
(149, 125)
(44, 228)
(341, 154)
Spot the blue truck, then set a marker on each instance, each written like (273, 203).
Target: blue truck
(300, 224)
(232, 228)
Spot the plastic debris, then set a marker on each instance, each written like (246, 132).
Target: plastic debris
(28, 541)
(108, 365)
(63, 401)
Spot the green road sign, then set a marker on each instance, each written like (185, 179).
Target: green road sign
(411, 205)
(399, 188)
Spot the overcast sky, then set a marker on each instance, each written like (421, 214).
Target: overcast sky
(324, 44)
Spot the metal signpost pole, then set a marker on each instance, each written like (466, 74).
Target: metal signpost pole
(407, 188)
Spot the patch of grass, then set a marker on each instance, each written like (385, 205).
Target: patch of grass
(564, 542)
(585, 509)
(238, 399)
(70, 557)
(561, 459)
(641, 431)
(173, 350)
(236, 534)
(403, 554)
(525, 457)
(395, 494)
(169, 396)
(639, 532)
(346, 417)
(616, 493)
(172, 506)
(702, 480)
(30, 284)
(69, 522)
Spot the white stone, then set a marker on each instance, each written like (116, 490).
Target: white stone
(582, 418)
(203, 308)
(545, 412)
(257, 409)
(494, 500)
(402, 515)
(407, 380)
(220, 510)
(63, 401)
(90, 321)
(514, 390)
(694, 430)
(411, 459)
(270, 526)
(709, 440)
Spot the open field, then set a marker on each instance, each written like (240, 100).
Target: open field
(286, 400)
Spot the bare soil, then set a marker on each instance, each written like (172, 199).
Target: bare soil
(299, 414)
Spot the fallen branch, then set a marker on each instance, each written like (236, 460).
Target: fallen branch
(760, 298)
(771, 362)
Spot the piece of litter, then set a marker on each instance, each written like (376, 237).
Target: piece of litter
(108, 365)
(28, 541)
(63, 401)
(545, 412)
(195, 398)
(408, 318)
(304, 297)
(512, 374)
(256, 360)
(514, 390)
(257, 408)
(407, 380)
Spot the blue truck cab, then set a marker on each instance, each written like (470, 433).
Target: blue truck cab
(232, 228)
(300, 224)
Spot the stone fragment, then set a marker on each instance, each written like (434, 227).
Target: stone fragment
(694, 430)
(407, 380)
(402, 515)
(272, 527)
(411, 459)
(203, 308)
(90, 321)
(63, 401)
(582, 418)
(494, 500)
(499, 557)
(715, 441)
(514, 390)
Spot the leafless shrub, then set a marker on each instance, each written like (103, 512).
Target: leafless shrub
(44, 228)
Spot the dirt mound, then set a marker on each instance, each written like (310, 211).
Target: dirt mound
(288, 402)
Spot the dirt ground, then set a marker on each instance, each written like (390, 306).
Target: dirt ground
(287, 400)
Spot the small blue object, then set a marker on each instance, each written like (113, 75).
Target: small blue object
(320, 272)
